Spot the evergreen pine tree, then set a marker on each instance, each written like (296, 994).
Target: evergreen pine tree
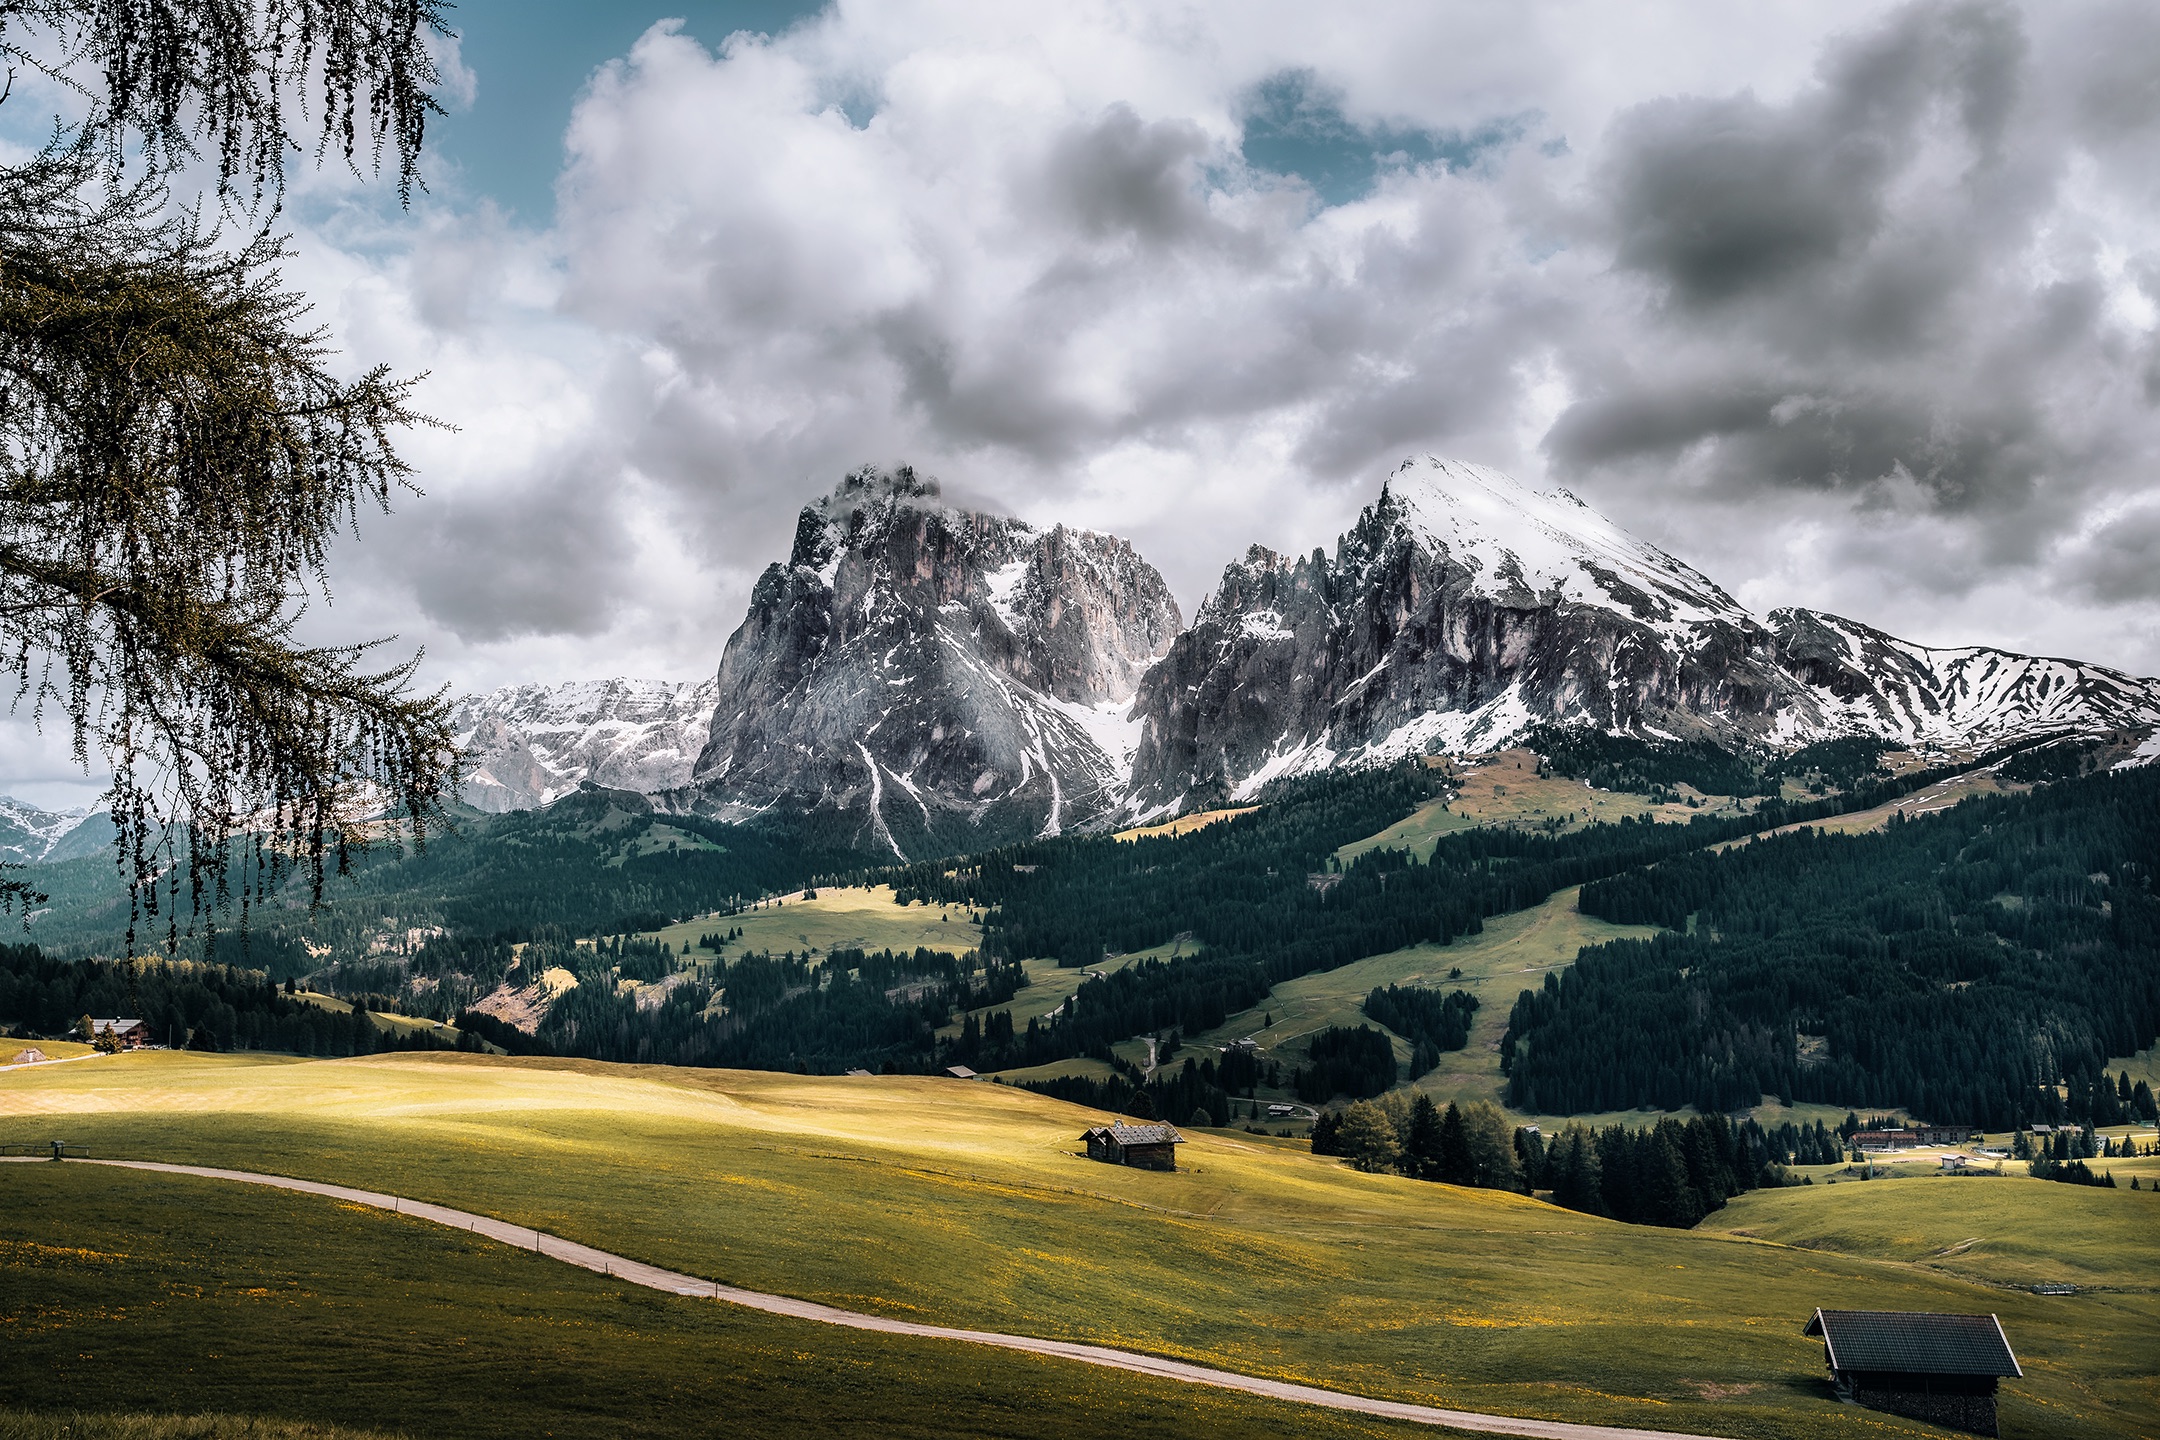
(1666, 1198)
(1457, 1167)
(1421, 1154)
(1577, 1178)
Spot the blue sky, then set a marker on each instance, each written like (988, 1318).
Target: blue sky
(534, 56)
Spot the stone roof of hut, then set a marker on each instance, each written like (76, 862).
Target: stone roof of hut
(1914, 1342)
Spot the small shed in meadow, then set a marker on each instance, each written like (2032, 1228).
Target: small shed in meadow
(32, 1056)
(1150, 1147)
(1943, 1369)
(961, 1072)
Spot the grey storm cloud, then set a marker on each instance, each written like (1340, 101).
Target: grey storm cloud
(1866, 317)
(545, 563)
(1126, 176)
(1866, 287)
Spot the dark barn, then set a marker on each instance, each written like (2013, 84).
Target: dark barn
(1939, 1368)
(1151, 1147)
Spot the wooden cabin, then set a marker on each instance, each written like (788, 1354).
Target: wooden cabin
(132, 1034)
(1150, 1147)
(1942, 1369)
(32, 1056)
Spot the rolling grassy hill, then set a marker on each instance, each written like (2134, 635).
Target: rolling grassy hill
(176, 1294)
(967, 1204)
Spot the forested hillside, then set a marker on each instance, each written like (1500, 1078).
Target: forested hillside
(1977, 966)
(1264, 901)
(600, 862)
(1960, 965)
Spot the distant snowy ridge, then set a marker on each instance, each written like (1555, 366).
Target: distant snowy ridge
(530, 744)
(31, 836)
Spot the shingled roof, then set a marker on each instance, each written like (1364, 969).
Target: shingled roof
(1142, 1134)
(1914, 1342)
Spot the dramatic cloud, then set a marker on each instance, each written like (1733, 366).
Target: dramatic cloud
(1854, 307)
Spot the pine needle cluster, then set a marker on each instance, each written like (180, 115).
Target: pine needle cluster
(176, 455)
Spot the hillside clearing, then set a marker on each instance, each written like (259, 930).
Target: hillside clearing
(848, 918)
(1505, 790)
(1185, 824)
(1511, 954)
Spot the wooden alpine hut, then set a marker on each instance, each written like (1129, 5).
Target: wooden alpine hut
(1925, 1366)
(1150, 1147)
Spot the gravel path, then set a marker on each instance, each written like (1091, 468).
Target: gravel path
(636, 1272)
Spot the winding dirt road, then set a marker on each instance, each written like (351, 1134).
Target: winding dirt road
(652, 1277)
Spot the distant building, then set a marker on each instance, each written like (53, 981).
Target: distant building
(961, 1072)
(1150, 1147)
(861, 1073)
(132, 1034)
(1942, 1369)
(1886, 1139)
(1955, 1162)
(32, 1056)
(1944, 1134)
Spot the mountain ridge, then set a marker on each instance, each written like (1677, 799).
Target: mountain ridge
(1460, 609)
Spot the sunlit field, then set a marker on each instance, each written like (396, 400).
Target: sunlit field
(968, 1203)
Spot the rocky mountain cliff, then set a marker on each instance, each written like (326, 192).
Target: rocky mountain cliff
(531, 744)
(934, 678)
(1465, 607)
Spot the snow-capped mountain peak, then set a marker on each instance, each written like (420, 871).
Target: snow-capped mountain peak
(950, 678)
(1525, 543)
(29, 835)
(1464, 608)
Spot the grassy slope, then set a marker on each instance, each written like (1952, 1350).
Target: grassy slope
(1505, 790)
(1999, 1231)
(1185, 824)
(852, 918)
(184, 1295)
(2145, 1065)
(1511, 954)
(965, 1203)
(54, 1049)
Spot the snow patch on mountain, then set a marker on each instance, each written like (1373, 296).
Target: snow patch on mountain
(30, 836)
(528, 745)
(1546, 545)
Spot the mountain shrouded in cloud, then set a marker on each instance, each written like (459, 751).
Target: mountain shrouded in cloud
(921, 678)
(1857, 307)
